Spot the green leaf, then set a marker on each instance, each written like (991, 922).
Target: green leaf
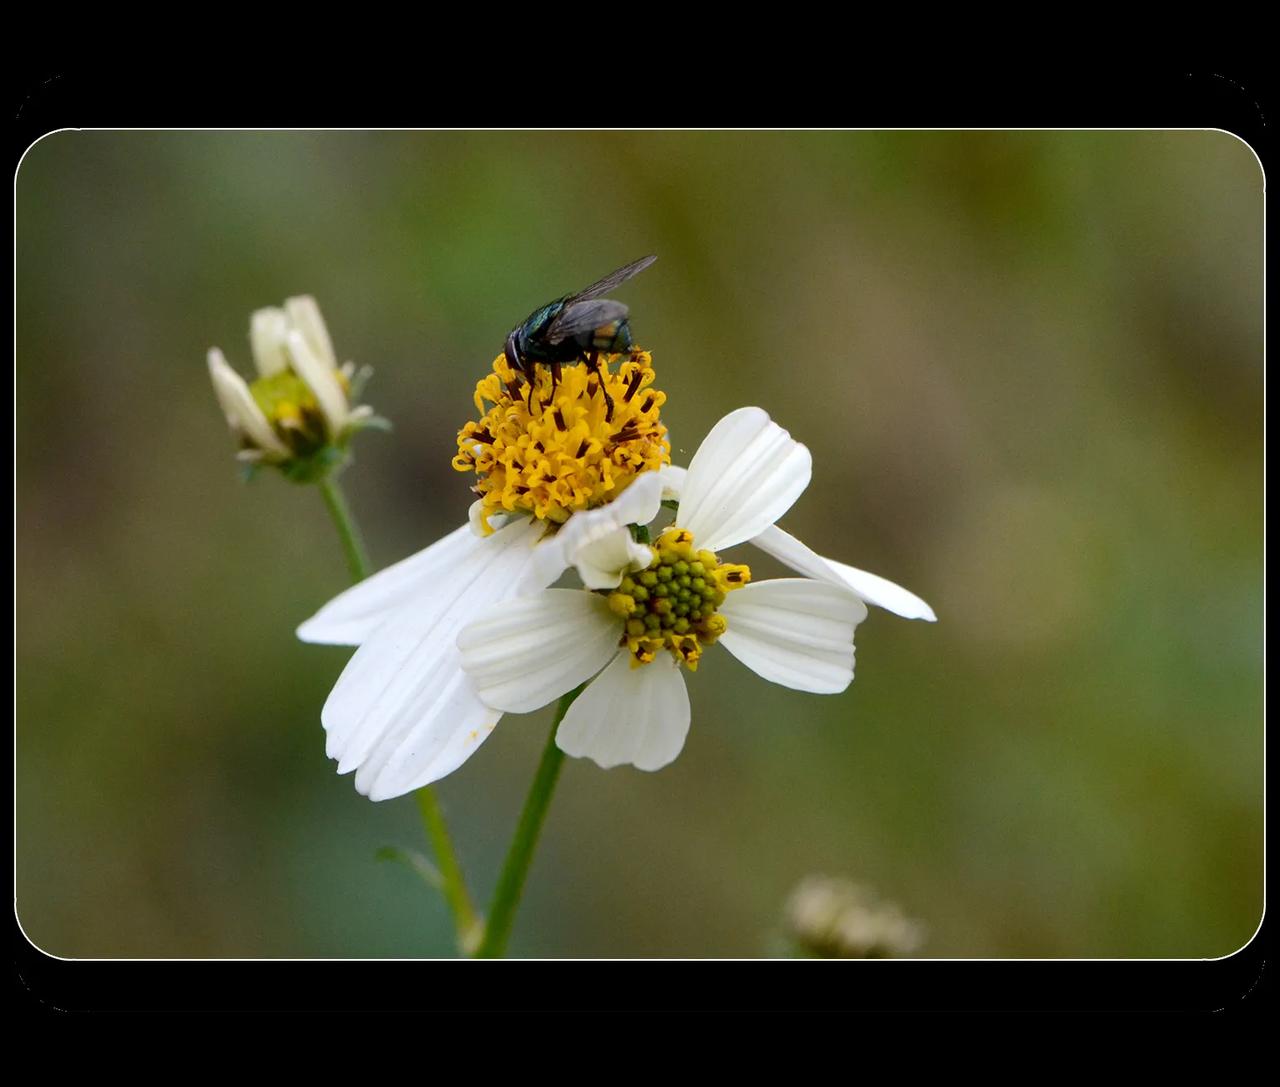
(414, 861)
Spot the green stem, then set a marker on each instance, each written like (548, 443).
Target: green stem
(357, 560)
(454, 886)
(506, 897)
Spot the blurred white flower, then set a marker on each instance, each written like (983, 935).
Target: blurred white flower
(834, 918)
(297, 414)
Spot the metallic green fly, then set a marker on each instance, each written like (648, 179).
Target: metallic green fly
(577, 326)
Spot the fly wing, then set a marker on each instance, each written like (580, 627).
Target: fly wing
(604, 286)
(586, 316)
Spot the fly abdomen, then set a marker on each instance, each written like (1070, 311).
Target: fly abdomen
(613, 338)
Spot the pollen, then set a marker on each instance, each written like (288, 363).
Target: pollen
(575, 449)
(673, 604)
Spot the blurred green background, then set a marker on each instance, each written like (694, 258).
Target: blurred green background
(1029, 366)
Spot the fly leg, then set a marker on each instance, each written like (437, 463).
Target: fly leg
(555, 378)
(593, 364)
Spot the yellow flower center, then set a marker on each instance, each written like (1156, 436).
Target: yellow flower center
(673, 603)
(574, 450)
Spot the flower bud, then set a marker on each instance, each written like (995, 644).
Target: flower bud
(297, 414)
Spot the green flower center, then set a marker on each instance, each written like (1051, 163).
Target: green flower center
(674, 603)
(292, 410)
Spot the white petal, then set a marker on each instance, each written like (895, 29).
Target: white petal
(872, 588)
(673, 477)
(267, 331)
(795, 632)
(350, 617)
(238, 406)
(637, 505)
(530, 650)
(462, 744)
(322, 379)
(745, 475)
(403, 711)
(452, 724)
(305, 316)
(629, 715)
(602, 562)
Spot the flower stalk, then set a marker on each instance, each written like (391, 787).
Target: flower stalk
(506, 896)
(453, 886)
(452, 883)
(348, 532)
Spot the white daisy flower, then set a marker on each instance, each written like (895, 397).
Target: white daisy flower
(559, 465)
(297, 413)
(797, 632)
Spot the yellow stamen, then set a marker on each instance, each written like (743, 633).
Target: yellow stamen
(570, 452)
